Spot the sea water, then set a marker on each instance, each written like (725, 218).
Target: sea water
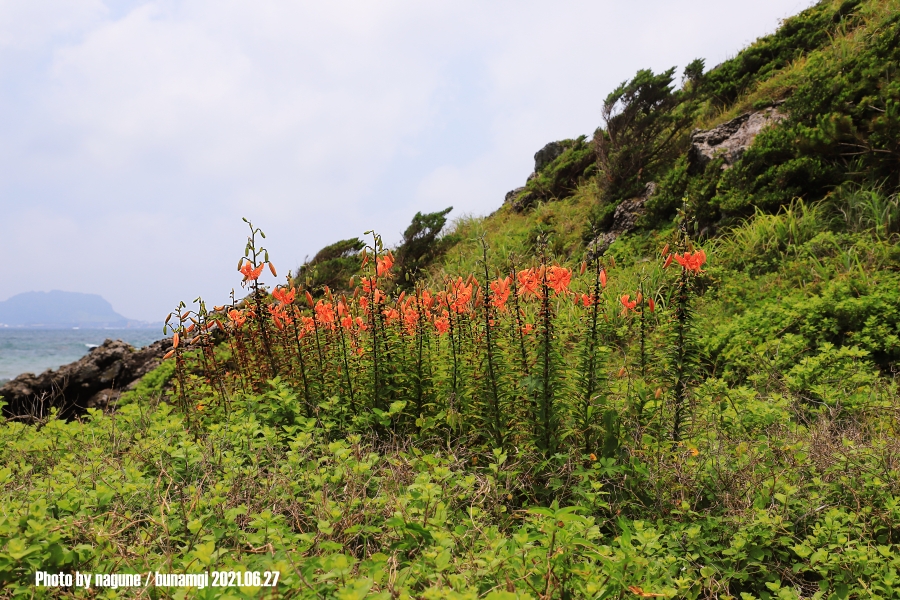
(35, 350)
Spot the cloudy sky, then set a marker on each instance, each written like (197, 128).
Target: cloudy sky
(134, 135)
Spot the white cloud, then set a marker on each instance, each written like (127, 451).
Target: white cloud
(134, 135)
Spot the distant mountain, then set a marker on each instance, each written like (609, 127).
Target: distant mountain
(61, 309)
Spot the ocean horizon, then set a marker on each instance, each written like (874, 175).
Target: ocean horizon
(34, 350)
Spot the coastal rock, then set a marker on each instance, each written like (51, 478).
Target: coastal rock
(525, 201)
(547, 155)
(624, 220)
(543, 157)
(512, 195)
(730, 140)
(93, 381)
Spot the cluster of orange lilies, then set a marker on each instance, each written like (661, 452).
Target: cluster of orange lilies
(412, 311)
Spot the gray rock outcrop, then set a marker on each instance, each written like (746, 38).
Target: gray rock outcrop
(624, 220)
(513, 194)
(543, 157)
(93, 381)
(547, 155)
(730, 140)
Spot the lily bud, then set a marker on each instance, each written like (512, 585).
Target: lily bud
(651, 304)
(668, 261)
(169, 355)
(603, 278)
(175, 340)
(272, 269)
(657, 393)
(583, 267)
(309, 299)
(665, 250)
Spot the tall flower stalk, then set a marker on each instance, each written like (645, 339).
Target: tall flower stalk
(251, 266)
(493, 392)
(590, 364)
(683, 359)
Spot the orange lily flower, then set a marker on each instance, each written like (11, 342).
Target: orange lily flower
(427, 298)
(284, 295)
(442, 324)
(410, 319)
(558, 279)
(325, 313)
(279, 316)
(309, 324)
(249, 273)
(237, 317)
(529, 282)
(384, 264)
(500, 288)
(462, 294)
(692, 261)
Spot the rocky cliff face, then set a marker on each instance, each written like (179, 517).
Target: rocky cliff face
(523, 198)
(94, 381)
(730, 140)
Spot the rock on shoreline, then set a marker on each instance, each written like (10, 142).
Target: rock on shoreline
(94, 381)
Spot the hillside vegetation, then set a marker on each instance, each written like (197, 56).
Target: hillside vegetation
(707, 408)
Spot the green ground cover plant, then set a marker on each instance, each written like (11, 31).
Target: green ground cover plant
(591, 463)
